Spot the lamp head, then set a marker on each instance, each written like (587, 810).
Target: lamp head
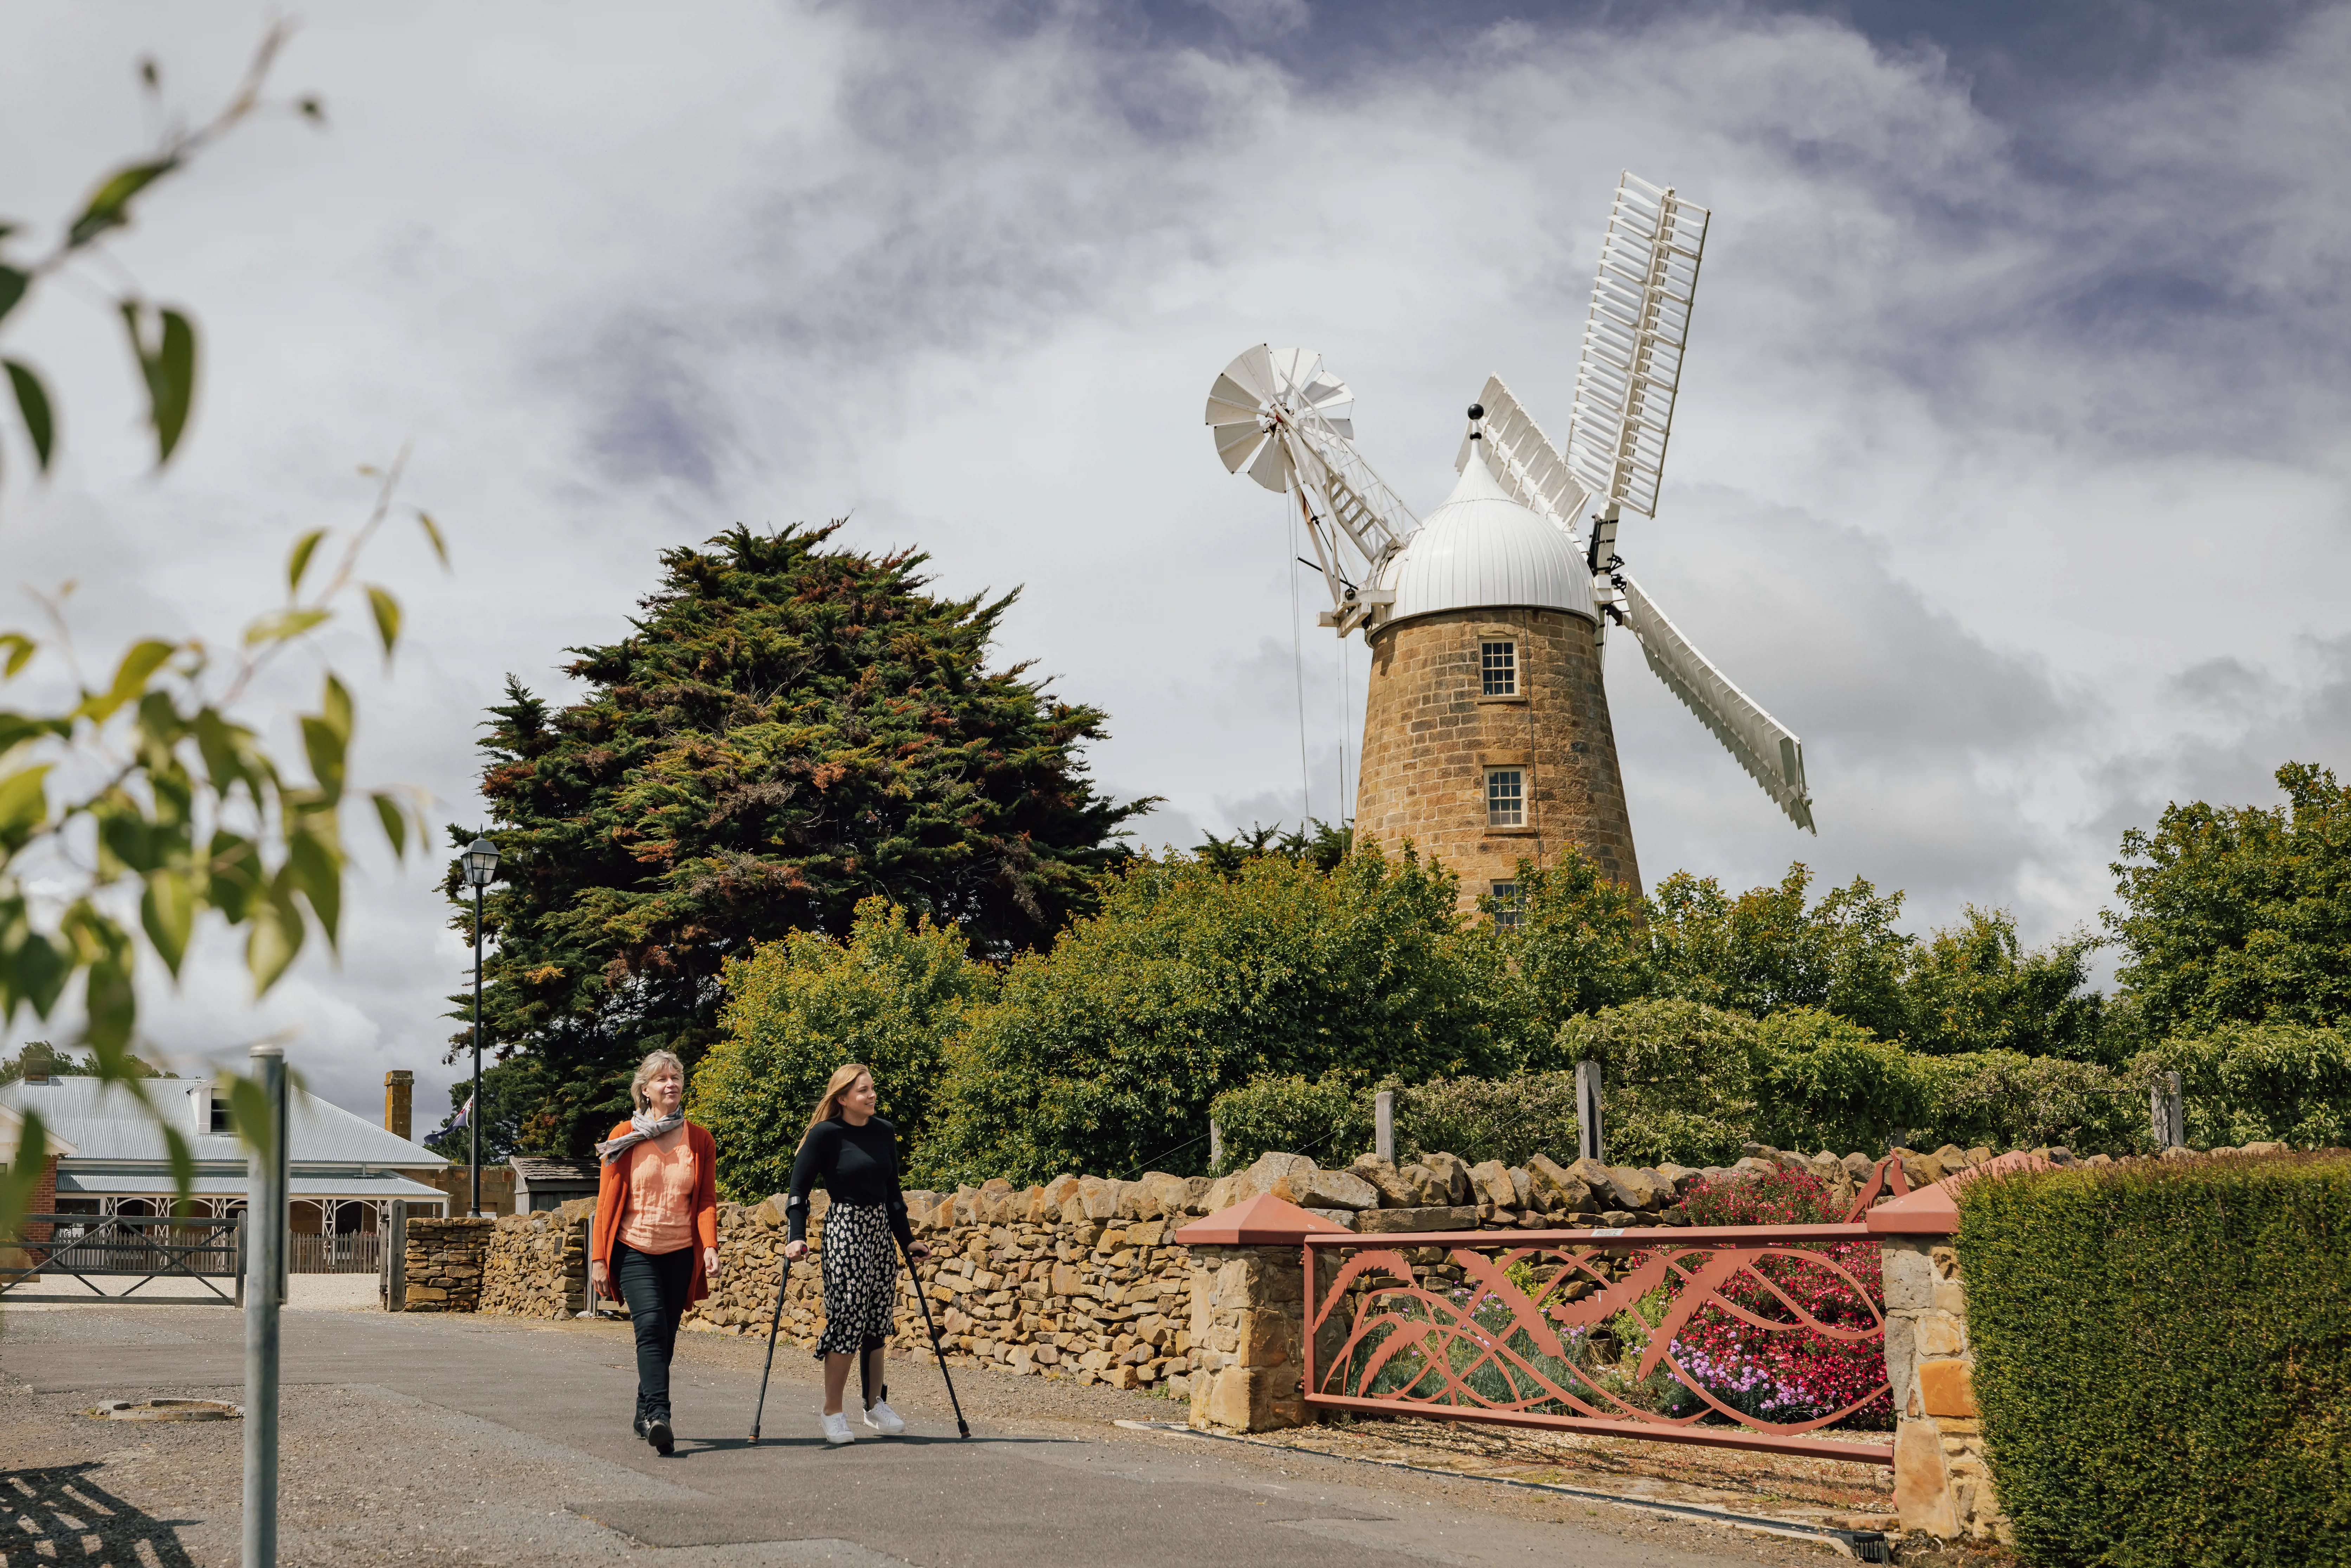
(481, 862)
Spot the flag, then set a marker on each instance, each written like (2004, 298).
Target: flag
(464, 1115)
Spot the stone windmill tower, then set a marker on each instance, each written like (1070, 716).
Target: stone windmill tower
(1487, 737)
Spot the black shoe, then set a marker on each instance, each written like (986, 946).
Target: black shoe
(638, 1426)
(657, 1433)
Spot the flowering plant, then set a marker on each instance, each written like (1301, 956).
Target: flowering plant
(1796, 1374)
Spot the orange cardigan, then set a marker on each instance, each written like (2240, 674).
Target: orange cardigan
(613, 1195)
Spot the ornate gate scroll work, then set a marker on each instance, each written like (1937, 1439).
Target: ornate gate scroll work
(1381, 1338)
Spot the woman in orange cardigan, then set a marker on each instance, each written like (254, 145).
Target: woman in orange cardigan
(655, 1242)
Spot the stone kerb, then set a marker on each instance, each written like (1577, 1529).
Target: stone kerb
(443, 1264)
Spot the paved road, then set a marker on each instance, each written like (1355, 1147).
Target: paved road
(428, 1438)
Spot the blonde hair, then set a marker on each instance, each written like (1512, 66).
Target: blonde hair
(843, 1077)
(646, 1071)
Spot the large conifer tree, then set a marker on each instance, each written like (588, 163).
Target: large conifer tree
(790, 728)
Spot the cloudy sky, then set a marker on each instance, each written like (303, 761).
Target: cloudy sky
(2010, 469)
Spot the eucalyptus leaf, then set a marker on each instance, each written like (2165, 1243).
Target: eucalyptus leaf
(168, 912)
(300, 561)
(394, 820)
(326, 752)
(275, 939)
(107, 206)
(281, 624)
(314, 864)
(33, 403)
(386, 609)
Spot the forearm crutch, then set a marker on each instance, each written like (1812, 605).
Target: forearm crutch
(774, 1318)
(962, 1426)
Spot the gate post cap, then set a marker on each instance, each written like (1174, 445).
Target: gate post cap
(1933, 1210)
(1264, 1220)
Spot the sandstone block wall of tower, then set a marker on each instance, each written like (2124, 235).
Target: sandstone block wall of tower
(1429, 737)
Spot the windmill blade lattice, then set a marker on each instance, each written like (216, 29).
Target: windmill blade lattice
(1526, 462)
(1767, 748)
(1633, 343)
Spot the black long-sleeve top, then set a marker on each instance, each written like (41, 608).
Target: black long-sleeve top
(859, 1164)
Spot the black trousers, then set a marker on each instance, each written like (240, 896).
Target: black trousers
(654, 1285)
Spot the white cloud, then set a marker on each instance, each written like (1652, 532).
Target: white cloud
(2008, 468)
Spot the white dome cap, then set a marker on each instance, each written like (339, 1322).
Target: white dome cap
(1482, 550)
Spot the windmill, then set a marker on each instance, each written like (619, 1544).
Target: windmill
(1486, 731)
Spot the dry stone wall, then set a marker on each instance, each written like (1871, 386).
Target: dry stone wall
(443, 1264)
(535, 1265)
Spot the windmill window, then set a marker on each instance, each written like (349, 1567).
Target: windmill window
(1498, 666)
(1505, 797)
(1506, 903)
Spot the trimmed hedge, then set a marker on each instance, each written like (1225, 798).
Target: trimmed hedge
(2163, 1359)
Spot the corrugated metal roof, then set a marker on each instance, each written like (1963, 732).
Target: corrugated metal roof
(1482, 550)
(104, 1121)
(377, 1184)
(546, 1172)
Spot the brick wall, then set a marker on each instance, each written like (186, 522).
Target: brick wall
(1429, 737)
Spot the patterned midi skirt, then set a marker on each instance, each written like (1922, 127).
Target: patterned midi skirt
(861, 1277)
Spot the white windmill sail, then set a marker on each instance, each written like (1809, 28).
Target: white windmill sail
(1767, 748)
(1633, 343)
(1526, 462)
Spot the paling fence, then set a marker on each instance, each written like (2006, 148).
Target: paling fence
(357, 1253)
(1736, 1336)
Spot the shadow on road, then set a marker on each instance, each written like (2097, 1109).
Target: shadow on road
(57, 1515)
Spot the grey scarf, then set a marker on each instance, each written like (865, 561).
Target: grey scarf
(644, 1125)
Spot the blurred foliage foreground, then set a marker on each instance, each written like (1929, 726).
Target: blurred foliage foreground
(137, 807)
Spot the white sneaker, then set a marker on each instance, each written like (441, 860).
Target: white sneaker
(836, 1429)
(884, 1420)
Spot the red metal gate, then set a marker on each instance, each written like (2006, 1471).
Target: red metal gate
(1500, 1326)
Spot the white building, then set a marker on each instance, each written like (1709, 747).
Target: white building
(345, 1170)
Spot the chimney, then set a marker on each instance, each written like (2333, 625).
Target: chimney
(399, 1093)
(38, 1061)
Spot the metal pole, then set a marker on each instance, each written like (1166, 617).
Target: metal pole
(1384, 1125)
(264, 1224)
(473, 1119)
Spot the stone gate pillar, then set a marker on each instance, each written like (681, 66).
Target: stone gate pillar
(1248, 1315)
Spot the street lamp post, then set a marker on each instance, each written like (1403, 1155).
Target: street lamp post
(481, 865)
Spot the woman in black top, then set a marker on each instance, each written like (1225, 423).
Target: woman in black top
(856, 1152)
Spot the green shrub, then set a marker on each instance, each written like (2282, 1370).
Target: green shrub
(1103, 1055)
(891, 997)
(2247, 1084)
(1508, 1119)
(2005, 1100)
(1678, 1080)
(2163, 1360)
(1826, 1082)
(1329, 1118)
